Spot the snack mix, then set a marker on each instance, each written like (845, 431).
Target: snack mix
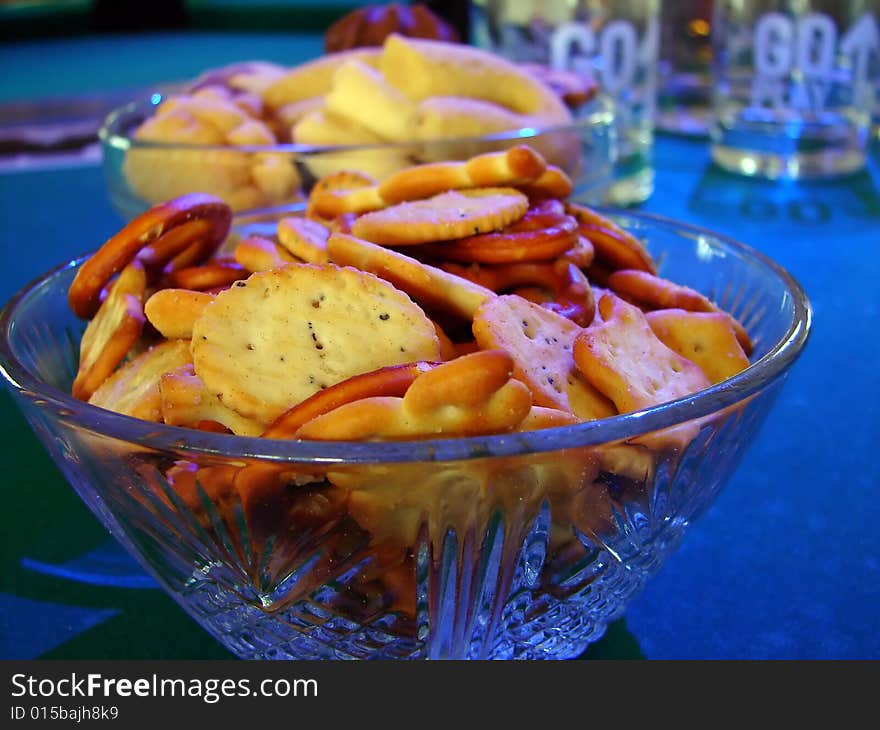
(444, 300)
(221, 135)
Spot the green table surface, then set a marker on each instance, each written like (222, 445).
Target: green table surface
(786, 564)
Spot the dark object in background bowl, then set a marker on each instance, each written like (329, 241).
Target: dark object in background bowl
(372, 24)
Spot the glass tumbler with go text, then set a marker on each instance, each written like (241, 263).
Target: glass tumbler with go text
(615, 42)
(795, 86)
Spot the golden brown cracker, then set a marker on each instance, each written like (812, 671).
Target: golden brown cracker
(173, 311)
(304, 238)
(653, 292)
(705, 338)
(133, 389)
(279, 336)
(258, 253)
(186, 402)
(446, 216)
(540, 343)
(623, 359)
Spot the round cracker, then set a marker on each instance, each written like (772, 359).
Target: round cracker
(276, 338)
(451, 215)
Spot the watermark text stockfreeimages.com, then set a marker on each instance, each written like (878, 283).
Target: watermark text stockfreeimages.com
(95, 685)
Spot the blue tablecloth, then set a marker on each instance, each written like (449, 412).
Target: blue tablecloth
(786, 564)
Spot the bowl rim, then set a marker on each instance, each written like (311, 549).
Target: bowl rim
(736, 389)
(597, 110)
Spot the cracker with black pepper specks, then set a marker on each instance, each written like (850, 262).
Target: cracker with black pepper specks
(540, 342)
(444, 217)
(276, 338)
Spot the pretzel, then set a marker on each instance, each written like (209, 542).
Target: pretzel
(553, 184)
(170, 252)
(341, 192)
(446, 216)
(149, 228)
(654, 292)
(582, 254)
(424, 283)
(598, 273)
(388, 381)
(257, 253)
(572, 296)
(542, 234)
(306, 239)
(112, 332)
(218, 273)
(470, 395)
(614, 246)
(514, 167)
(173, 311)
(518, 165)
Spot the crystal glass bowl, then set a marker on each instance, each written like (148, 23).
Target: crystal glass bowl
(520, 546)
(258, 180)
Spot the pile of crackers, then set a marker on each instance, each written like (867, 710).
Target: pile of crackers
(449, 299)
(396, 101)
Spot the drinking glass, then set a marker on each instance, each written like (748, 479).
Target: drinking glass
(684, 96)
(795, 84)
(615, 42)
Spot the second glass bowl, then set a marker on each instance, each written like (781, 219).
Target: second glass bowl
(276, 179)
